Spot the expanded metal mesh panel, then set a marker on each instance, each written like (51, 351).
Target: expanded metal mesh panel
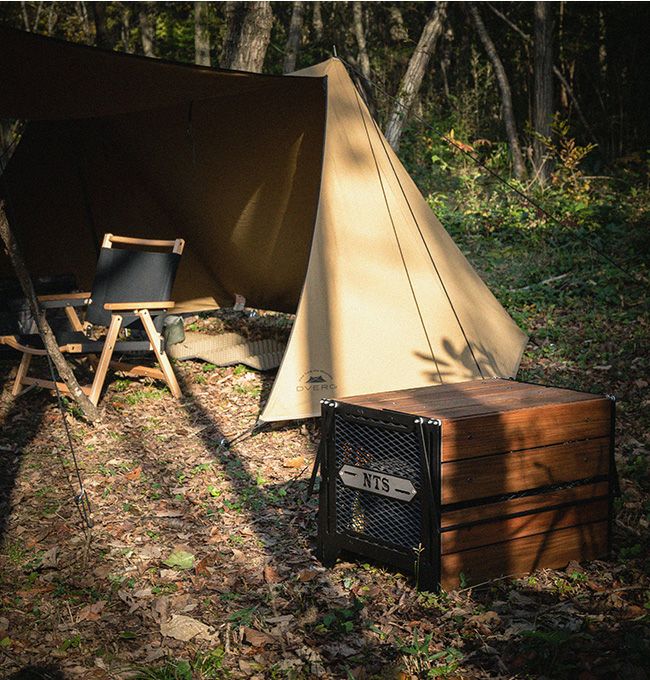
(377, 518)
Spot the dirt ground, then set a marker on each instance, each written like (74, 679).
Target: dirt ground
(201, 560)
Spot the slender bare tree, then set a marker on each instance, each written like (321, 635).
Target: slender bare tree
(295, 37)
(317, 20)
(566, 86)
(518, 164)
(360, 35)
(102, 38)
(201, 34)
(147, 32)
(543, 88)
(125, 28)
(233, 14)
(412, 80)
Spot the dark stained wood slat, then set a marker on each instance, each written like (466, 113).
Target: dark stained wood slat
(433, 405)
(455, 406)
(525, 504)
(550, 550)
(468, 386)
(510, 529)
(434, 401)
(504, 473)
(525, 428)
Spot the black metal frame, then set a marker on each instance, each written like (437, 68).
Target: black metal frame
(423, 560)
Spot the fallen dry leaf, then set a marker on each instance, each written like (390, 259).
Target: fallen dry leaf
(296, 462)
(91, 612)
(257, 638)
(50, 558)
(134, 475)
(306, 575)
(271, 574)
(184, 628)
(201, 567)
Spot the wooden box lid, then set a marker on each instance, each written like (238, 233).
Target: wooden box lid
(483, 417)
(470, 399)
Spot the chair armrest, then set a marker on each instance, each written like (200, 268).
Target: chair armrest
(64, 300)
(124, 306)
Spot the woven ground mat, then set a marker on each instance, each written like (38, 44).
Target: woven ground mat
(229, 349)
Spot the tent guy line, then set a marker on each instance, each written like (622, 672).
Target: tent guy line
(81, 499)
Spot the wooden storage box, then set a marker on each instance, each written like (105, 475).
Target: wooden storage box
(466, 482)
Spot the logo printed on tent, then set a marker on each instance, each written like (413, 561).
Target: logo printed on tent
(316, 380)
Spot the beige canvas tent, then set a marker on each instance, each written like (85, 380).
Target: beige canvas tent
(285, 191)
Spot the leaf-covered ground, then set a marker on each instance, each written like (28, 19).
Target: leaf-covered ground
(201, 561)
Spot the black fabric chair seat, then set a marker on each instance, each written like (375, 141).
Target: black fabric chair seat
(143, 278)
(88, 346)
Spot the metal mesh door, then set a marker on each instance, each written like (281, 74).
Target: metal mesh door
(383, 448)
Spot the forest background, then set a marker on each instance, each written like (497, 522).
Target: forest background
(553, 98)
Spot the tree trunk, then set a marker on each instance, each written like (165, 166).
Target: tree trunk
(543, 87)
(412, 80)
(233, 13)
(34, 26)
(82, 13)
(317, 20)
(102, 38)
(254, 38)
(201, 34)
(295, 37)
(88, 408)
(125, 29)
(506, 95)
(147, 31)
(360, 35)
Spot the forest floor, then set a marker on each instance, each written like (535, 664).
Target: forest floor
(201, 561)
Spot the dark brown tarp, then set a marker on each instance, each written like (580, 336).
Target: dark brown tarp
(229, 161)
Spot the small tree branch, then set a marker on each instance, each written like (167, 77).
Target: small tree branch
(88, 408)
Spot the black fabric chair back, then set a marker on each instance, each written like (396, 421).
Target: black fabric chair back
(130, 276)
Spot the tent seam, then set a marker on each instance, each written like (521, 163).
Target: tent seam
(435, 267)
(399, 246)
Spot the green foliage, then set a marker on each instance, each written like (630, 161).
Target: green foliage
(136, 397)
(242, 617)
(204, 666)
(341, 620)
(421, 659)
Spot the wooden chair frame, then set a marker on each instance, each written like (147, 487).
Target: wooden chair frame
(70, 302)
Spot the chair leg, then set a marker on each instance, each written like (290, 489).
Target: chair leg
(22, 372)
(105, 358)
(163, 359)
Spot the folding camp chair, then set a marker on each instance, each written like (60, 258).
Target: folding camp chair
(130, 293)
